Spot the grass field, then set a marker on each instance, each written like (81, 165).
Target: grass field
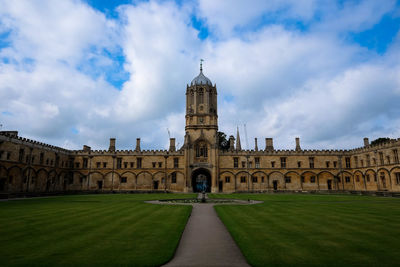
(315, 230)
(90, 230)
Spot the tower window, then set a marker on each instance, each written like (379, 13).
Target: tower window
(201, 96)
(201, 150)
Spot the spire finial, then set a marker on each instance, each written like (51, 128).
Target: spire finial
(201, 65)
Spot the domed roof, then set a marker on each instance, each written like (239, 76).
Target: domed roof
(201, 79)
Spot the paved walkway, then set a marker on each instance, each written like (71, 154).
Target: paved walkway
(206, 242)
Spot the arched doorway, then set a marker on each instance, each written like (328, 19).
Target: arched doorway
(201, 180)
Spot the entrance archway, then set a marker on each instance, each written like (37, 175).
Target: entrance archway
(201, 180)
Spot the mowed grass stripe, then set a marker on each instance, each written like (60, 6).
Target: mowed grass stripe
(90, 230)
(315, 230)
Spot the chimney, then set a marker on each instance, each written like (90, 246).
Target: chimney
(231, 142)
(172, 144)
(112, 144)
(88, 148)
(255, 144)
(366, 141)
(298, 148)
(137, 144)
(269, 145)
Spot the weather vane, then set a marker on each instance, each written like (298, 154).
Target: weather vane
(201, 64)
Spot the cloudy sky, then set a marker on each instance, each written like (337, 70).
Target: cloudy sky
(79, 72)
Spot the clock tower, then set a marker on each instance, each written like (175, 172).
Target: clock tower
(201, 138)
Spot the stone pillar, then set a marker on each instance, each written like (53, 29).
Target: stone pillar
(298, 148)
(269, 144)
(366, 141)
(88, 148)
(137, 144)
(172, 144)
(255, 144)
(112, 144)
(231, 142)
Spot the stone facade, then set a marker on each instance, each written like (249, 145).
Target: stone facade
(28, 166)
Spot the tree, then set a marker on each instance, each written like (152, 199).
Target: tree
(223, 143)
(380, 140)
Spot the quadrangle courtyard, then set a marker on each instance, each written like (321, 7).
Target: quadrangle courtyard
(120, 229)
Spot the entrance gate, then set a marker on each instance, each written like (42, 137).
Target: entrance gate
(201, 180)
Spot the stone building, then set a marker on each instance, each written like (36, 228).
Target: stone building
(28, 166)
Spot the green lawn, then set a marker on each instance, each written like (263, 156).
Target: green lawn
(315, 230)
(90, 230)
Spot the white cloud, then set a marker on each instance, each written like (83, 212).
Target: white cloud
(282, 83)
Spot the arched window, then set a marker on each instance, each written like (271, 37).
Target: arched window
(201, 96)
(201, 150)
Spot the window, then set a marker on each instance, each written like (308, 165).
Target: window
(8, 155)
(243, 179)
(388, 159)
(299, 164)
(154, 164)
(327, 164)
(27, 159)
(21, 155)
(51, 162)
(382, 176)
(139, 163)
(288, 180)
(312, 179)
(381, 158)
(173, 178)
(47, 161)
(41, 158)
(338, 179)
(243, 164)
(272, 164)
(362, 163)
(98, 164)
(262, 179)
(375, 178)
(311, 160)
(201, 96)
(357, 178)
(125, 165)
(302, 179)
(85, 163)
(250, 165)
(1, 153)
(368, 161)
(397, 174)
(396, 156)
(374, 160)
(356, 161)
(176, 162)
(257, 162)
(335, 164)
(119, 163)
(368, 178)
(201, 150)
(123, 179)
(235, 162)
(283, 162)
(76, 163)
(132, 164)
(104, 164)
(347, 178)
(227, 179)
(254, 179)
(347, 161)
(160, 165)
